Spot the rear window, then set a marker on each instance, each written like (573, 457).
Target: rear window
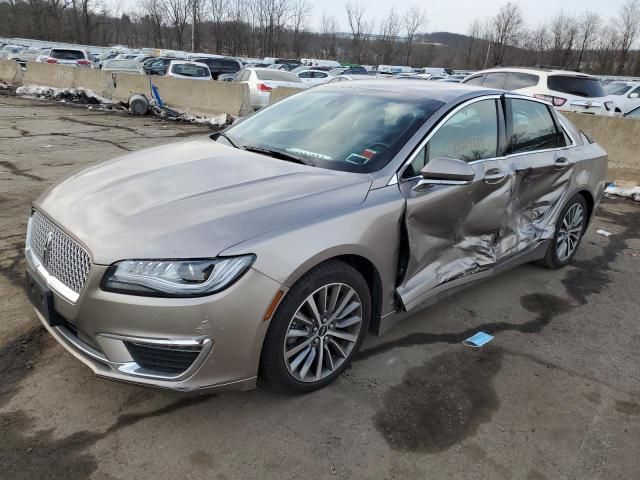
(220, 63)
(579, 86)
(276, 75)
(474, 80)
(517, 80)
(494, 80)
(67, 54)
(189, 70)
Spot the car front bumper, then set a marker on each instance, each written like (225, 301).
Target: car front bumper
(182, 344)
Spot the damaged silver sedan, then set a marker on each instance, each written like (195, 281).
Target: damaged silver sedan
(272, 248)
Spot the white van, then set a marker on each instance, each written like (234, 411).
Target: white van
(314, 62)
(394, 69)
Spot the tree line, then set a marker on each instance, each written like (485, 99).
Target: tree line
(283, 28)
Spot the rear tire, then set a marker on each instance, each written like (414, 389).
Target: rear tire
(317, 329)
(570, 228)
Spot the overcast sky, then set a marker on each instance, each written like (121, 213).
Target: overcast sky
(455, 15)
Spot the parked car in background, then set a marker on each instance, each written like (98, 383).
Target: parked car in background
(273, 60)
(8, 50)
(262, 80)
(287, 67)
(348, 78)
(226, 77)
(219, 65)
(70, 57)
(274, 247)
(624, 95)
(565, 90)
(441, 71)
(348, 71)
(26, 55)
(394, 69)
(188, 69)
(313, 77)
(123, 66)
(635, 113)
(157, 66)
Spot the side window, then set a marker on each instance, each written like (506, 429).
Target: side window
(305, 75)
(475, 80)
(470, 134)
(533, 127)
(495, 80)
(517, 80)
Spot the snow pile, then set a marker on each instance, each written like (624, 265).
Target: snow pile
(3, 86)
(628, 192)
(75, 95)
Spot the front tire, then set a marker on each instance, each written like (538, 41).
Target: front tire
(570, 228)
(317, 329)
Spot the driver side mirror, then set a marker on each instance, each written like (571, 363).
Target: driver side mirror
(445, 171)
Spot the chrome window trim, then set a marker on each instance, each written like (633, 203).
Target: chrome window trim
(52, 282)
(397, 177)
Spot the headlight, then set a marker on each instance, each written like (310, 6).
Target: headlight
(175, 278)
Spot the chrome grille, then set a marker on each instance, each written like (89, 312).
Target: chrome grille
(65, 259)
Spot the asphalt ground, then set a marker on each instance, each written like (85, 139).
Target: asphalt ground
(556, 395)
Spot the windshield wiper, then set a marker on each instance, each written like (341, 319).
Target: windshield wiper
(226, 137)
(278, 154)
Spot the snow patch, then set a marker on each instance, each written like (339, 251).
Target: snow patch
(628, 192)
(80, 95)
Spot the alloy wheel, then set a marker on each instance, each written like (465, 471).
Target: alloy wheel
(570, 232)
(323, 332)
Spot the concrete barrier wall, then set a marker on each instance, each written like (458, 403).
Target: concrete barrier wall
(10, 72)
(200, 97)
(282, 92)
(190, 96)
(620, 137)
(49, 75)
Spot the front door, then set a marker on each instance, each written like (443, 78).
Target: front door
(455, 230)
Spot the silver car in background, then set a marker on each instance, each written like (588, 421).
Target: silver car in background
(261, 81)
(273, 247)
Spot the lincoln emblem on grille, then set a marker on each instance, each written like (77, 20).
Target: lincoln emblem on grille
(45, 252)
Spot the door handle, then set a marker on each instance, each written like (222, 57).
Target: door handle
(494, 175)
(560, 163)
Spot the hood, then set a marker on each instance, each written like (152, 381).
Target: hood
(191, 200)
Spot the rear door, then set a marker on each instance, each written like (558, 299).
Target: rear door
(542, 169)
(456, 230)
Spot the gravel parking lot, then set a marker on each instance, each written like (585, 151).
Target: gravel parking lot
(555, 396)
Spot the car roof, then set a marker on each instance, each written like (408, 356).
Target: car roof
(440, 91)
(538, 70)
(183, 62)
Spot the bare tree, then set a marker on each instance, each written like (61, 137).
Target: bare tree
(360, 29)
(328, 36)
(506, 26)
(629, 21)
(389, 36)
(177, 14)
(588, 27)
(300, 13)
(414, 18)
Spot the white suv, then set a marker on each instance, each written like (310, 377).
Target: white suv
(565, 90)
(70, 57)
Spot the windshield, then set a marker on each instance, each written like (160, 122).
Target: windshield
(579, 86)
(617, 88)
(337, 128)
(190, 70)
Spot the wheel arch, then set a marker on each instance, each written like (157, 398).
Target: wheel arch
(363, 264)
(588, 197)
